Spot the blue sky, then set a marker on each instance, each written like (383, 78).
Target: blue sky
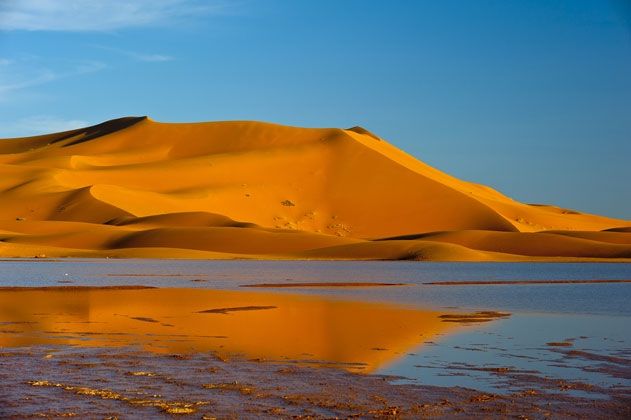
(532, 97)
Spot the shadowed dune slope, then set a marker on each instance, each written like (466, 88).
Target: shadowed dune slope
(136, 187)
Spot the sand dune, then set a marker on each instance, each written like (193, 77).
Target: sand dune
(136, 187)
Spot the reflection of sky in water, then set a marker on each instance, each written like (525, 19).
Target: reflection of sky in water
(610, 299)
(518, 343)
(541, 313)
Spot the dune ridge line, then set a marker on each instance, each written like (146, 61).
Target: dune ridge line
(136, 188)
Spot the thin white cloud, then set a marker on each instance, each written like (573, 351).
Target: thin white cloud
(150, 58)
(16, 75)
(38, 124)
(100, 15)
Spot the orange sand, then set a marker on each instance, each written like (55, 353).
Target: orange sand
(133, 187)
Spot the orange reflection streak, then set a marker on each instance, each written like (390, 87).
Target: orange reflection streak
(256, 325)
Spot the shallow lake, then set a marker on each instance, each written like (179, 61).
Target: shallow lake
(557, 330)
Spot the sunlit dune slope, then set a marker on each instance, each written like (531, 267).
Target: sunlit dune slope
(136, 187)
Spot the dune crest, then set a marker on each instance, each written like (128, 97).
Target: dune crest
(134, 187)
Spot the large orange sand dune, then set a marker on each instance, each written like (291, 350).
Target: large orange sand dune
(134, 187)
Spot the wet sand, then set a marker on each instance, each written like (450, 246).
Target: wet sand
(323, 284)
(480, 316)
(122, 382)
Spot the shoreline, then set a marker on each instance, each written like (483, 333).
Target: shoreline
(518, 259)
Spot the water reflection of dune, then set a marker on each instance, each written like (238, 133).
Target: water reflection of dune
(360, 336)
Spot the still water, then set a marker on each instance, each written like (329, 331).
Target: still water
(604, 299)
(557, 331)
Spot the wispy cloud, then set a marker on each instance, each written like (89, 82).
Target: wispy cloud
(151, 58)
(100, 15)
(25, 73)
(38, 124)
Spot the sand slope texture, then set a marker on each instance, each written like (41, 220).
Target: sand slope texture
(133, 187)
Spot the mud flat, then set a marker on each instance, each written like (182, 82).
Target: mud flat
(92, 382)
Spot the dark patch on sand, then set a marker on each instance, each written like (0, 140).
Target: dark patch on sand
(144, 319)
(585, 355)
(559, 344)
(324, 284)
(225, 311)
(480, 316)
